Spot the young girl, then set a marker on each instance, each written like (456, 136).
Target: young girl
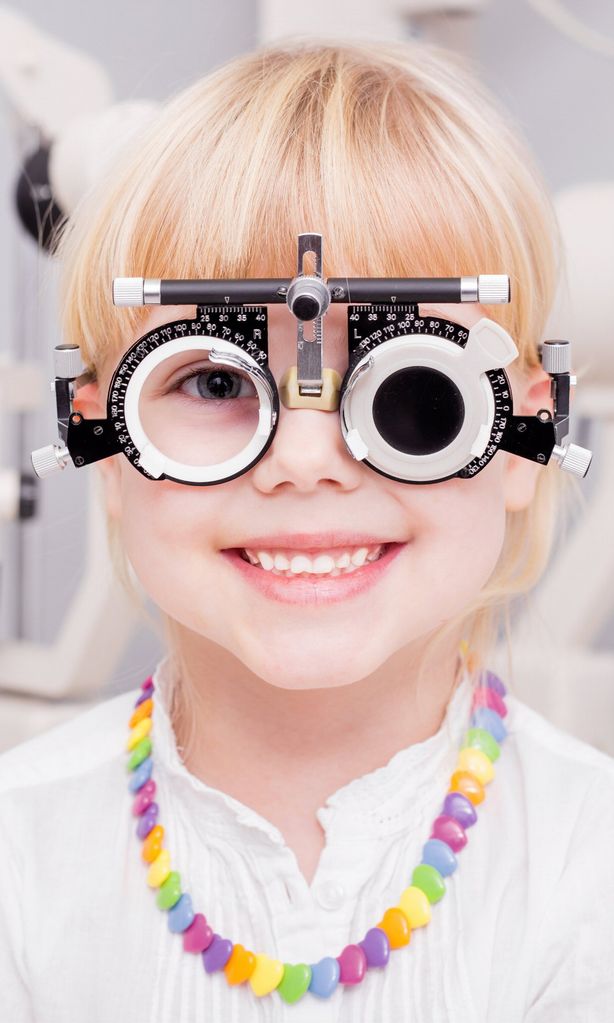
(307, 768)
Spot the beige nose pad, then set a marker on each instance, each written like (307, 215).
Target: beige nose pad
(327, 401)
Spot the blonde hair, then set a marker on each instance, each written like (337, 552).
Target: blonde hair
(396, 154)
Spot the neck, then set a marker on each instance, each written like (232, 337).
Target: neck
(239, 732)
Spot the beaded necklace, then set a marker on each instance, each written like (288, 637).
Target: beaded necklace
(474, 769)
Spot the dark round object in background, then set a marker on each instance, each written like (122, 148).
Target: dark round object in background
(39, 213)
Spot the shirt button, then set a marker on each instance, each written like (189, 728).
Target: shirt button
(330, 894)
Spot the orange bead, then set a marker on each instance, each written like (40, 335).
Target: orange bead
(395, 924)
(153, 844)
(240, 966)
(466, 783)
(144, 710)
(472, 662)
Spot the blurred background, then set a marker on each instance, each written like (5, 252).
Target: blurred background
(74, 82)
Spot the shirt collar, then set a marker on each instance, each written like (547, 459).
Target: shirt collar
(382, 801)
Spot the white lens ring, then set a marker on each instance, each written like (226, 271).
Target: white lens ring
(154, 461)
(488, 346)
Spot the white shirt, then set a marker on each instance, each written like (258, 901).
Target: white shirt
(524, 932)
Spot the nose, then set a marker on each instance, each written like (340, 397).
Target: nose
(307, 450)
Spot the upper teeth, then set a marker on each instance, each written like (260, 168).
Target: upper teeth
(334, 562)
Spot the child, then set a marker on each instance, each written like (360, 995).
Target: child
(301, 739)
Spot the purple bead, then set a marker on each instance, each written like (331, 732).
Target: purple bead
(438, 854)
(493, 682)
(448, 830)
(217, 955)
(485, 717)
(147, 820)
(462, 809)
(376, 947)
(144, 695)
(141, 774)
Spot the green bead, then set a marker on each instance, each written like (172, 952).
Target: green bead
(294, 983)
(429, 880)
(481, 738)
(139, 753)
(169, 891)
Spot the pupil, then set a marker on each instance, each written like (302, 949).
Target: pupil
(217, 383)
(418, 410)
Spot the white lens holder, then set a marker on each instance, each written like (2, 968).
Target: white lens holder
(488, 346)
(220, 352)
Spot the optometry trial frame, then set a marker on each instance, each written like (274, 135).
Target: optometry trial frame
(423, 399)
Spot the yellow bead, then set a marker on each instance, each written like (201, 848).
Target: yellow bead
(139, 732)
(475, 761)
(160, 869)
(416, 906)
(267, 975)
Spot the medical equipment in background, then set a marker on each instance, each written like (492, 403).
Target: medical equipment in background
(63, 137)
(448, 23)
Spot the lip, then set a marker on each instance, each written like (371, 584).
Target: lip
(316, 590)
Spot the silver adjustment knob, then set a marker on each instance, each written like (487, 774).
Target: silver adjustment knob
(573, 458)
(67, 361)
(556, 356)
(128, 291)
(47, 460)
(493, 289)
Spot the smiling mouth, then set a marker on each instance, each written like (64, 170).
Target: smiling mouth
(293, 563)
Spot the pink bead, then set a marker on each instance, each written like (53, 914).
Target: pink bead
(485, 697)
(144, 797)
(352, 965)
(198, 936)
(148, 682)
(448, 830)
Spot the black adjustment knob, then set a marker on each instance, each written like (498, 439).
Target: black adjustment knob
(306, 307)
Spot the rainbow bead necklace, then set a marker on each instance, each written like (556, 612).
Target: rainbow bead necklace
(474, 769)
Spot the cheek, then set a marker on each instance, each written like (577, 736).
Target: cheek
(167, 532)
(459, 540)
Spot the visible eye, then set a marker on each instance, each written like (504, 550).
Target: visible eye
(215, 383)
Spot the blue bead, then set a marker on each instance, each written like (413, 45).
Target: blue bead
(485, 717)
(141, 774)
(324, 977)
(439, 855)
(181, 915)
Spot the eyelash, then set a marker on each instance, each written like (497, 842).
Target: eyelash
(199, 372)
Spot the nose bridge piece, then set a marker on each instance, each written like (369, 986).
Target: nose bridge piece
(326, 401)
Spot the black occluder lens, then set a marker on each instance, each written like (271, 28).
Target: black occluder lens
(418, 410)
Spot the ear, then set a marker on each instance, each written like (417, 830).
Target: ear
(531, 392)
(91, 404)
